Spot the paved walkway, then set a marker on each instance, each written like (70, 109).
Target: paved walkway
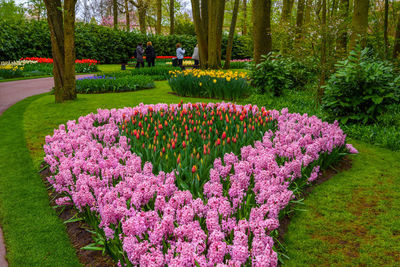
(11, 93)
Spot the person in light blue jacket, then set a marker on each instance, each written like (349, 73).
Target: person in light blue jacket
(180, 54)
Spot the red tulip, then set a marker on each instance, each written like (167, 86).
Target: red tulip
(194, 169)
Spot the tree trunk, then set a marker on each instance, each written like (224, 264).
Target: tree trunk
(115, 14)
(287, 10)
(341, 42)
(69, 48)
(208, 17)
(159, 17)
(200, 18)
(231, 35)
(385, 28)
(171, 17)
(285, 23)
(215, 22)
(396, 47)
(141, 6)
(262, 28)
(323, 53)
(244, 29)
(299, 20)
(359, 23)
(63, 47)
(307, 12)
(142, 20)
(128, 21)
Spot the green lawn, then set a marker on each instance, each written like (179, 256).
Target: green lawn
(351, 219)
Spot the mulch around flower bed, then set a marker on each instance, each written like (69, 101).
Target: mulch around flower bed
(343, 165)
(79, 237)
(77, 232)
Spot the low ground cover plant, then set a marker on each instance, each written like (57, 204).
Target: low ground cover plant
(210, 83)
(140, 216)
(105, 84)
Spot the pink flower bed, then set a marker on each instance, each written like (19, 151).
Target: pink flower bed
(144, 219)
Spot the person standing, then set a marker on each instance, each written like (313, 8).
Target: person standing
(139, 55)
(180, 54)
(150, 54)
(196, 57)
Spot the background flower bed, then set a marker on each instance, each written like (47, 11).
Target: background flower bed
(142, 218)
(107, 83)
(34, 66)
(210, 83)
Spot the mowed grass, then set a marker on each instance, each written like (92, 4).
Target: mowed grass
(353, 219)
(34, 235)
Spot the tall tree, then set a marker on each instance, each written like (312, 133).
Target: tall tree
(36, 8)
(231, 35)
(208, 17)
(285, 22)
(359, 23)
(244, 23)
(341, 42)
(396, 47)
(141, 6)
(307, 12)
(115, 14)
(61, 19)
(159, 16)
(262, 28)
(171, 17)
(299, 19)
(287, 10)
(323, 53)
(128, 21)
(385, 27)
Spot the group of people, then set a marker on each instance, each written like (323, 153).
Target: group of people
(150, 54)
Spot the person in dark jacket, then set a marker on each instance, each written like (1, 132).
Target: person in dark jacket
(150, 54)
(139, 55)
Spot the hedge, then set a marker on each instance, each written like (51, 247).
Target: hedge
(32, 38)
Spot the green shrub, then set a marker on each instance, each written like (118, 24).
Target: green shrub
(31, 38)
(212, 84)
(301, 71)
(105, 84)
(271, 75)
(360, 89)
(277, 73)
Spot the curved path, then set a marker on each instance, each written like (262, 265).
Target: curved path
(11, 93)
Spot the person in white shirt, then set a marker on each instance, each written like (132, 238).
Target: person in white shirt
(180, 54)
(196, 57)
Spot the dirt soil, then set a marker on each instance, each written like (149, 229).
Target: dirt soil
(78, 234)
